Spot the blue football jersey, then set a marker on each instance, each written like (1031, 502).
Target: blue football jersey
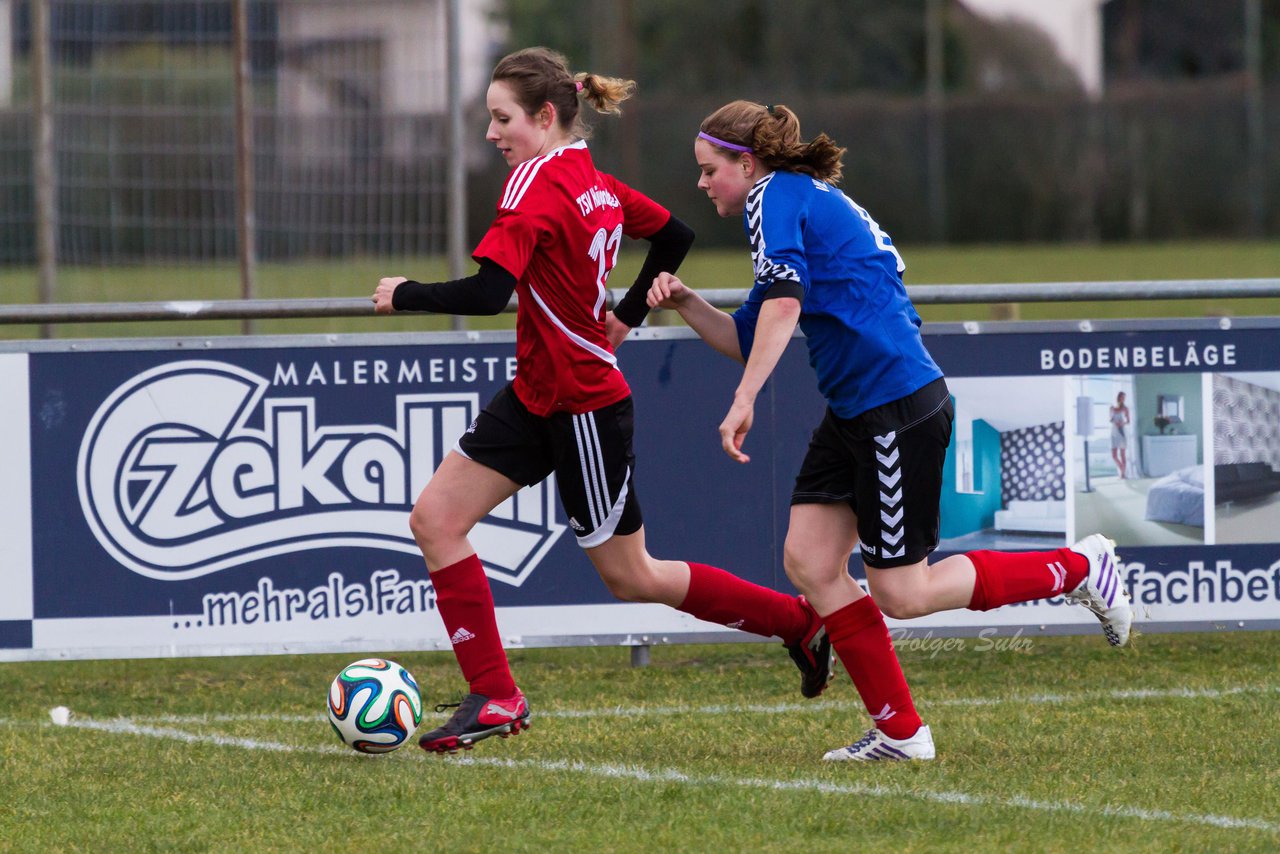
(861, 329)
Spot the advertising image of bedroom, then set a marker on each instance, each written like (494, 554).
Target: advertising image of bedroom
(1246, 457)
(1137, 456)
(1005, 478)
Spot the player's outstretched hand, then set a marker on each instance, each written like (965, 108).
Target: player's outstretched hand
(382, 295)
(667, 291)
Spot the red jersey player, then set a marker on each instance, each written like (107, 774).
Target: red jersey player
(555, 238)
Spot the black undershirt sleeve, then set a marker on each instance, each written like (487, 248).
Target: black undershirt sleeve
(667, 248)
(784, 288)
(486, 292)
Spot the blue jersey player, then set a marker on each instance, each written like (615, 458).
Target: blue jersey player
(872, 477)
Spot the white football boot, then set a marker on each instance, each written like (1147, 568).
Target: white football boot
(1102, 590)
(875, 746)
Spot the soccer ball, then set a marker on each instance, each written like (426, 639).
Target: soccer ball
(374, 705)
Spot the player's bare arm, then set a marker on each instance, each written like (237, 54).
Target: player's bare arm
(712, 325)
(778, 318)
(668, 247)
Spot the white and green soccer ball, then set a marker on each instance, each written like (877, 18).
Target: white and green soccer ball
(374, 705)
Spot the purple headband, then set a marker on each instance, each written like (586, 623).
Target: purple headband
(720, 142)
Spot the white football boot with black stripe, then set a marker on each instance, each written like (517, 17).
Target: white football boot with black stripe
(1102, 590)
(875, 746)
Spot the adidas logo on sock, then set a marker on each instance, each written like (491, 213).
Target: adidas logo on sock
(885, 713)
(460, 635)
(1059, 573)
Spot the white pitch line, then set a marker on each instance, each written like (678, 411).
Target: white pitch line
(925, 705)
(789, 708)
(129, 727)
(671, 775)
(879, 791)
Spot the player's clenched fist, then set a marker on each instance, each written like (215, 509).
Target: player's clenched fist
(667, 291)
(382, 295)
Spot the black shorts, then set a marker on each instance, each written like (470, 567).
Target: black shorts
(887, 465)
(590, 454)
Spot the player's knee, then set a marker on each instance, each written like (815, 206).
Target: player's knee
(646, 580)
(802, 576)
(420, 527)
(430, 528)
(629, 589)
(898, 610)
(898, 604)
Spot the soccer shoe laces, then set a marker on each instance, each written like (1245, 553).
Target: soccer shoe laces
(467, 708)
(464, 712)
(866, 739)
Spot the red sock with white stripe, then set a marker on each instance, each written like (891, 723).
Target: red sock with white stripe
(862, 641)
(465, 603)
(1007, 577)
(722, 597)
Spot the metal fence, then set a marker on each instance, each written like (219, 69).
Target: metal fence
(357, 115)
(340, 121)
(721, 298)
(1151, 161)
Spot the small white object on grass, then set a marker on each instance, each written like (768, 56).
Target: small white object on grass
(60, 715)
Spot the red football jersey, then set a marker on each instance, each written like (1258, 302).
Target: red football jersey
(559, 226)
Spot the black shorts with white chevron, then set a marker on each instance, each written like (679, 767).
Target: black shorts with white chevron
(887, 465)
(591, 455)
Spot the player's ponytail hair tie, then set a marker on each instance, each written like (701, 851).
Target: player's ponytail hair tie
(577, 85)
(732, 146)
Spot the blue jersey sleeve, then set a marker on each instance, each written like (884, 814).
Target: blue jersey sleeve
(775, 219)
(745, 320)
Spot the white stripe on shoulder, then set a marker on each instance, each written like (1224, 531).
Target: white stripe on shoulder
(527, 171)
(573, 336)
(517, 178)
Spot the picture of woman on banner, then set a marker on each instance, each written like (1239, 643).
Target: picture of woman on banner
(1119, 435)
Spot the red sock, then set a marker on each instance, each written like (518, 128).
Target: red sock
(1007, 577)
(465, 604)
(862, 641)
(722, 597)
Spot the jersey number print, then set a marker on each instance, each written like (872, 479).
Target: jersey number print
(882, 239)
(599, 252)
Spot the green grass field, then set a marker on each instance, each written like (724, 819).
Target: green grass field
(709, 268)
(1058, 744)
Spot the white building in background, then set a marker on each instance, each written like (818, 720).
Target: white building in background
(385, 59)
(1074, 26)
